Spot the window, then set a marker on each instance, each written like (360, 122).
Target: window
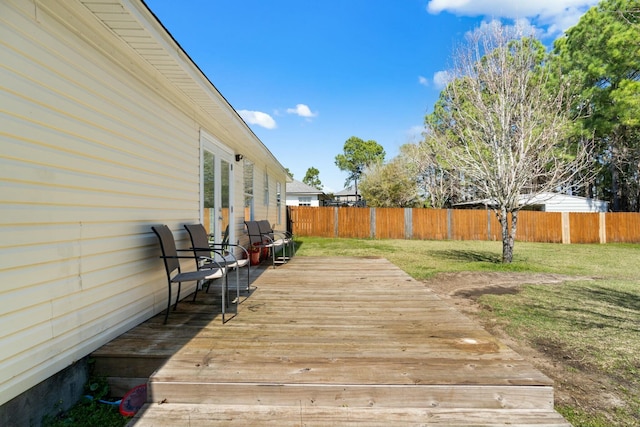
(279, 201)
(304, 201)
(248, 190)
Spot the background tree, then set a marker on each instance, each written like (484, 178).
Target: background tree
(602, 52)
(357, 156)
(498, 127)
(390, 185)
(312, 178)
(437, 186)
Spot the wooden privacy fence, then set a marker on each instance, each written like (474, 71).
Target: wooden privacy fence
(463, 224)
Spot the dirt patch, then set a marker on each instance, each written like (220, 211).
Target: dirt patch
(585, 388)
(464, 288)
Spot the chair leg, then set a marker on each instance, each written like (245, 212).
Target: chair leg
(237, 288)
(224, 301)
(166, 315)
(175, 306)
(237, 269)
(208, 285)
(248, 278)
(198, 284)
(273, 256)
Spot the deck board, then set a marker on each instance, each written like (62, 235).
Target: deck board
(334, 332)
(361, 320)
(269, 416)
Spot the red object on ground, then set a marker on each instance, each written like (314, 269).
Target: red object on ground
(133, 400)
(255, 257)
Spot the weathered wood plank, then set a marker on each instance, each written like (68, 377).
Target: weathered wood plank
(335, 332)
(170, 415)
(353, 395)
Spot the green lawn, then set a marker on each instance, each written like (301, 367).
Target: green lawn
(590, 328)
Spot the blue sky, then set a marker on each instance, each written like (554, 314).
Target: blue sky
(306, 75)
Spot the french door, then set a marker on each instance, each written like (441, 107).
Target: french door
(217, 189)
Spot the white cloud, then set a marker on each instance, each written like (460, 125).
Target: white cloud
(520, 27)
(302, 111)
(415, 134)
(258, 118)
(423, 81)
(441, 79)
(555, 15)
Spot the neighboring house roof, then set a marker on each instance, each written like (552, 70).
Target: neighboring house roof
(349, 191)
(297, 187)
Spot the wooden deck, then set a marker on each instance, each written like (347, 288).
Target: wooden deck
(330, 341)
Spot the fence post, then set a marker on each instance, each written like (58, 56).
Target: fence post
(603, 227)
(372, 223)
(449, 224)
(336, 228)
(408, 223)
(566, 228)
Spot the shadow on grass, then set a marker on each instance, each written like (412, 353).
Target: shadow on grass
(467, 256)
(614, 298)
(588, 308)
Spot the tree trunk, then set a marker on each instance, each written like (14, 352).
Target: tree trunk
(512, 234)
(508, 233)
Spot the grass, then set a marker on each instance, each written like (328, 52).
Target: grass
(590, 328)
(89, 412)
(423, 259)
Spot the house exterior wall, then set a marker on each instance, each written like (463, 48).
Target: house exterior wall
(552, 202)
(294, 199)
(96, 147)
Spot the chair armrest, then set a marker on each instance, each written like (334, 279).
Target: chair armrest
(285, 232)
(235, 246)
(211, 260)
(270, 239)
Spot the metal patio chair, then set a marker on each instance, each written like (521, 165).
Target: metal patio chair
(260, 240)
(275, 235)
(176, 275)
(221, 252)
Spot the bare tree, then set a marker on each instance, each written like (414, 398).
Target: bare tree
(497, 124)
(437, 184)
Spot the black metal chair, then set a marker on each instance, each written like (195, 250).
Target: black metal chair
(260, 240)
(202, 247)
(176, 275)
(276, 235)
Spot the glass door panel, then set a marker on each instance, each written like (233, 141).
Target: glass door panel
(209, 196)
(225, 199)
(217, 197)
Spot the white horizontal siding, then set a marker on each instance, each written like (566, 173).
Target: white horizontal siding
(554, 202)
(96, 146)
(90, 158)
(294, 200)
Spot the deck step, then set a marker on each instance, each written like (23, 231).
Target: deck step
(171, 415)
(355, 396)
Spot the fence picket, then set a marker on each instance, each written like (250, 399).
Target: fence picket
(462, 224)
